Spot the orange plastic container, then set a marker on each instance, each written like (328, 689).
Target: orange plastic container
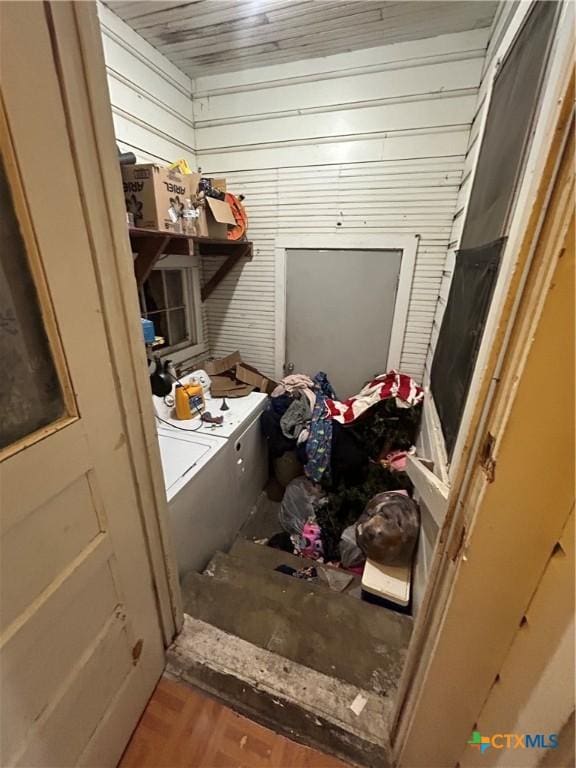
(195, 398)
(182, 403)
(189, 400)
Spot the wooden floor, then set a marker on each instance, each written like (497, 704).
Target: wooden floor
(182, 727)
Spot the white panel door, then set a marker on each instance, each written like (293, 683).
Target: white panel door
(80, 641)
(339, 313)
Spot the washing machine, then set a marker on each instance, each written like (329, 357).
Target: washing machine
(213, 475)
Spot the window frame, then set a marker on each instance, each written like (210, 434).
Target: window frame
(24, 218)
(496, 227)
(193, 305)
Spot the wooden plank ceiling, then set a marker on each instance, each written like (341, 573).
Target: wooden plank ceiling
(204, 37)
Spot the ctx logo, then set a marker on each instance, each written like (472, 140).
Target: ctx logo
(513, 741)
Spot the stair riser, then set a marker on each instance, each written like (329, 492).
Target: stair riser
(262, 559)
(230, 568)
(302, 627)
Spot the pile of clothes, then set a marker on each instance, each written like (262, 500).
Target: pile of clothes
(299, 418)
(350, 451)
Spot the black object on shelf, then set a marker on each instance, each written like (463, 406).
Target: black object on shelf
(125, 158)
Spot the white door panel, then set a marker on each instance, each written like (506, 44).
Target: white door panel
(81, 645)
(339, 313)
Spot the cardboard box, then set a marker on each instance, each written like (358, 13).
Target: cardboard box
(232, 378)
(249, 375)
(222, 386)
(219, 184)
(151, 190)
(214, 367)
(215, 218)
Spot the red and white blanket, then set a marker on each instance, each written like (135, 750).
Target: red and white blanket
(392, 384)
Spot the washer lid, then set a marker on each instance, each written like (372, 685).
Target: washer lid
(179, 456)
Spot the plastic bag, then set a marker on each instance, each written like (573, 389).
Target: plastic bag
(301, 499)
(387, 530)
(351, 555)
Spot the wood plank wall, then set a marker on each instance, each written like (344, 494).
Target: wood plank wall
(151, 98)
(151, 103)
(368, 142)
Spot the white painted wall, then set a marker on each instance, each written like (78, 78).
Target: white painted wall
(368, 142)
(151, 103)
(151, 98)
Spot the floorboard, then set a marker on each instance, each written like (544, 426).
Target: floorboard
(181, 728)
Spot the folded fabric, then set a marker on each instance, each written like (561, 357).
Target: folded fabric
(310, 394)
(297, 417)
(291, 383)
(392, 384)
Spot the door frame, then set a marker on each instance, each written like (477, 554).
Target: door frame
(407, 244)
(79, 59)
(464, 621)
(474, 469)
(550, 133)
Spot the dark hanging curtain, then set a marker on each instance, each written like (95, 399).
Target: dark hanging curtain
(468, 303)
(500, 164)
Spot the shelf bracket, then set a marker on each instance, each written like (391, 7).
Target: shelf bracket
(220, 274)
(224, 269)
(148, 254)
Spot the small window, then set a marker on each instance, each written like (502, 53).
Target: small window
(31, 396)
(170, 299)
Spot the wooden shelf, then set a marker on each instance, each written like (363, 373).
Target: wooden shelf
(150, 244)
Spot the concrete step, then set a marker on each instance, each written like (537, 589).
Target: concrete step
(300, 703)
(258, 557)
(268, 557)
(334, 634)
